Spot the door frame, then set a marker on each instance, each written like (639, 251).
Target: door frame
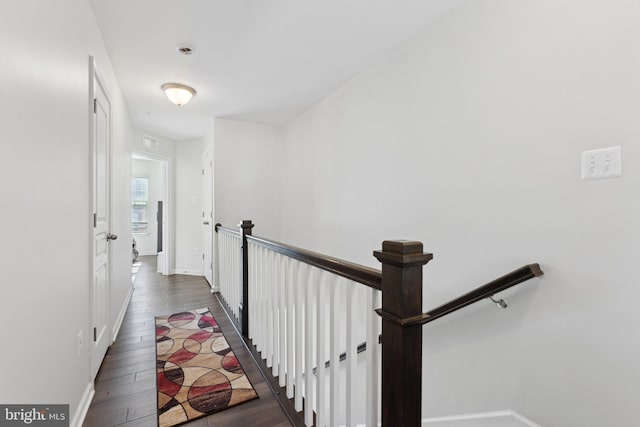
(167, 243)
(204, 186)
(96, 76)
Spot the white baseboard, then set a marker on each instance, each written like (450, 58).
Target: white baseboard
(187, 272)
(505, 418)
(83, 407)
(123, 311)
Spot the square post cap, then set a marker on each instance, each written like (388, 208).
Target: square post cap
(402, 253)
(246, 224)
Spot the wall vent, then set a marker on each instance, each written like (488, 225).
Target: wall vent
(148, 142)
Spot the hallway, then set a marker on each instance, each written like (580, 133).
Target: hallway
(125, 386)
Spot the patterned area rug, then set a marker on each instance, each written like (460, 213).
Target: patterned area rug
(197, 373)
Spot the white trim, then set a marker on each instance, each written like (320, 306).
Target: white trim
(123, 311)
(526, 421)
(147, 253)
(507, 417)
(187, 272)
(208, 153)
(167, 170)
(480, 419)
(83, 406)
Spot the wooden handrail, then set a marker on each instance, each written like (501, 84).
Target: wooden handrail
(358, 273)
(485, 291)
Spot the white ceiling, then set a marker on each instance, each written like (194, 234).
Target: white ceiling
(264, 61)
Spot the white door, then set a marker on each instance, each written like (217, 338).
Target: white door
(100, 126)
(207, 216)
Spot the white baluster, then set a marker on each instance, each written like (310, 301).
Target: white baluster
(291, 276)
(232, 275)
(258, 334)
(262, 304)
(226, 268)
(352, 345)
(282, 329)
(320, 350)
(336, 297)
(236, 279)
(239, 279)
(229, 273)
(253, 292)
(269, 307)
(251, 286)
(372, 320)
(223, 265)
(308, 351)
(299, 286)
(221, 251)
(275, 301)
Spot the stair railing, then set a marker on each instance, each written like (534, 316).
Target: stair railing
(306, 308)
(301, 309)
(229, 271)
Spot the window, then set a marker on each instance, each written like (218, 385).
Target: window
(139, 202)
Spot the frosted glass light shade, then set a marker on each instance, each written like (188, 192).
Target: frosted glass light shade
(178, 93)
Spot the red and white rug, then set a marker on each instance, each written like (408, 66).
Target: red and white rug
(197, 373)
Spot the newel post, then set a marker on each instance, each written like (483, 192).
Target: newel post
(246, 225)
(402, 263)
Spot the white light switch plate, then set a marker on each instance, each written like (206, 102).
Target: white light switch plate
(602, 164)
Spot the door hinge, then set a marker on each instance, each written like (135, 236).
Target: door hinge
(95, 334)
(202, 171)
(95, 105)
(95, 220)
(202, 256)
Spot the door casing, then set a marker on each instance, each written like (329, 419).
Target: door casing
(207, 216)
(100, 217)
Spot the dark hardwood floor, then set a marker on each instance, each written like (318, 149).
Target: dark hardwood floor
(125, 386)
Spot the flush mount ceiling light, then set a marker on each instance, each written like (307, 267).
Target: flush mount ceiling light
(178, 93)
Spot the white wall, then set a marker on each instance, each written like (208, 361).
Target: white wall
(247, 175)
(44, 175)
(469, 138)
(189, 207)
(147, 242)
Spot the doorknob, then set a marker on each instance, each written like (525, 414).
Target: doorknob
(206, 222)
(111, 236)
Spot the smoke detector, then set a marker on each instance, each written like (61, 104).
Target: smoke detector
(185, 49)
